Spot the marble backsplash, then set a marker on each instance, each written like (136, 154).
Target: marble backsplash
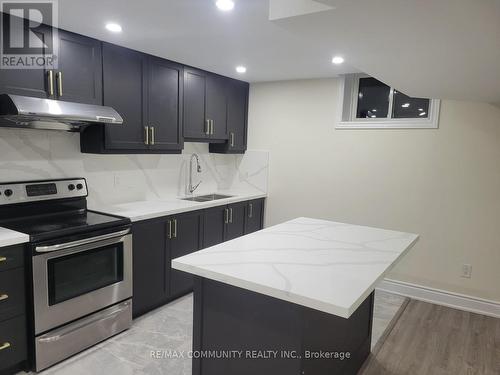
(112, 179)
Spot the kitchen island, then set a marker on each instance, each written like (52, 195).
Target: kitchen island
(295, 298)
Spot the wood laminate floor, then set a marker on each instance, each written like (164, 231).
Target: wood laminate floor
(428, 339)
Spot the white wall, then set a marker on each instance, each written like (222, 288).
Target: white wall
(38, 154)
(443, 183)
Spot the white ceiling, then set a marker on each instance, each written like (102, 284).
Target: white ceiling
(430, 48)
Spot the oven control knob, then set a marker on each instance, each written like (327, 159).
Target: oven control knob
(71, 187)
(79, 186)
(8, 193)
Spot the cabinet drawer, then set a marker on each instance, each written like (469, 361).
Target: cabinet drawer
(13, 343)
(12, 294)
(11, 257)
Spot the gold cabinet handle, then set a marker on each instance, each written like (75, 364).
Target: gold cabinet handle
(5, 345)
(226, 216)
(50, 79)
(250, 210)
(175, 228)
(152, 128)
(231, 215)
(3, 297)
(146, 135)
(231, 138)
(3, 259)
(59, 83)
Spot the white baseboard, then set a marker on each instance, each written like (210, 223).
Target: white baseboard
(441, 297)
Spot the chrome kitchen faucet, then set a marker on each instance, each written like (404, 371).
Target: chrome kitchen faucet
(198, 169)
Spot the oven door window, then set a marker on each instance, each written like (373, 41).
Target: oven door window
(73, 275)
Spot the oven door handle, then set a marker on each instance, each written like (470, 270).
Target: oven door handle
(67, 245)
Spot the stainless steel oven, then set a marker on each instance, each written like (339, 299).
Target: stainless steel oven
(73, 279)
(77, 289)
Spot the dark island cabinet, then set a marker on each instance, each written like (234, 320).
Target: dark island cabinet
(147, 92)
(13, 322)
(205, 106)
(237, 114)
(158, 241)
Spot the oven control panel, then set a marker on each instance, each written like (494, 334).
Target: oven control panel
(34, 191)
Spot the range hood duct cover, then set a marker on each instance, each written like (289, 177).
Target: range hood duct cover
(37, 113)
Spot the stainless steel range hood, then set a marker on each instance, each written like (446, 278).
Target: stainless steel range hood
(36, 113)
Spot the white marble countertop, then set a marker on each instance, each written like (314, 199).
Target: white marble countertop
(143, 210)
(324, 265)
(10, 237)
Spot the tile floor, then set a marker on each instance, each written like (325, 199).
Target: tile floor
(170, 328)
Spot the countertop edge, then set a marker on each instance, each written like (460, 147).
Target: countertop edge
(261, 289)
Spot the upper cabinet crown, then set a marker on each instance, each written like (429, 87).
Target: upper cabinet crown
(78, 76)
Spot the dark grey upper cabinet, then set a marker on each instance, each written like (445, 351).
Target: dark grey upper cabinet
(78, 77)
(147, 92)
(205, 106)
(185, 238)
(27, 82)
(216, 106)
(195, 126)
(125, 91)
(165, 90)
(237, 114)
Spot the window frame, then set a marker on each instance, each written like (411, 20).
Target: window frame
(348, 95)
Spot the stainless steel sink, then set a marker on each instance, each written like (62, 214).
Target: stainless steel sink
(206, 198)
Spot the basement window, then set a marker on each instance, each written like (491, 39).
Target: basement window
(368, 103)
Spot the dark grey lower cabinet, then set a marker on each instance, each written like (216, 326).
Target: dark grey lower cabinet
(13, 324)
(185, 238)
(254, 215)
(158, 241)
(151, 265)
(214, 226)
(235, 226)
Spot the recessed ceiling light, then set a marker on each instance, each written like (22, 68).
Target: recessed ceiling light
(337, 60)
(114, 27)
(406, 105)
(225, 5)
(241, 69)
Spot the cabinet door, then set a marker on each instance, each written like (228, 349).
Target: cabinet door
(165, 104)
(27, 82)
(79, 73)
(216, 106)
(151, 279)
(254, 216)
(237, 104)
(236, 225)
(195, 126)
(213, 226)
(185, 239)
(124, 90)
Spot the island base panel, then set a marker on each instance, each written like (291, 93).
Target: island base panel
(273, 335)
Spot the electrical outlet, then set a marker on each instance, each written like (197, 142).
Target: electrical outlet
(467, 271)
